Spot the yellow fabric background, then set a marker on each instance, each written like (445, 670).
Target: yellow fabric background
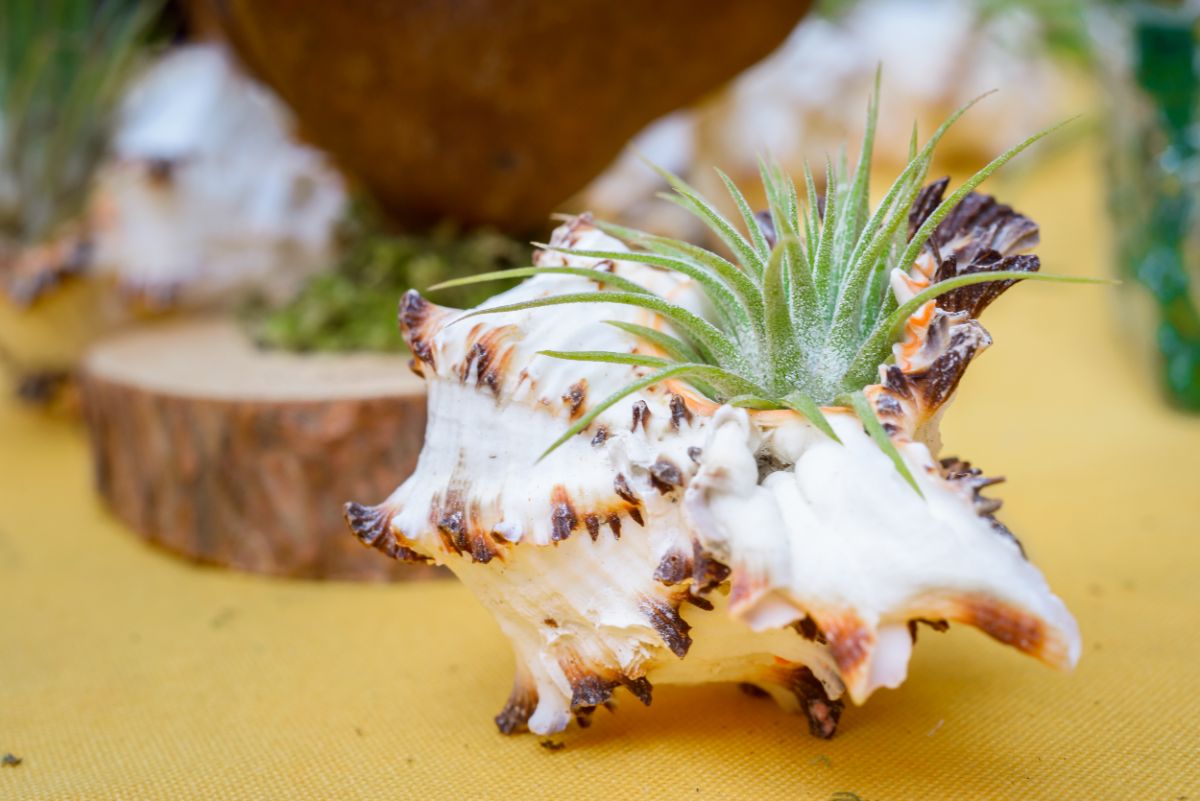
(127, 674)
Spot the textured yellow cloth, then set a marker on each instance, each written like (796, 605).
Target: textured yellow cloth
(127, 674)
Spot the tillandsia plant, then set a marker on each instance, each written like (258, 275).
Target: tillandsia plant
(756, 495)
(63, 65)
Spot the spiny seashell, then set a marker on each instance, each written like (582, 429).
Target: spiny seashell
(676, 540)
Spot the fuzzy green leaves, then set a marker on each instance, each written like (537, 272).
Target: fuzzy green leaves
(804, 315)
(63, 65)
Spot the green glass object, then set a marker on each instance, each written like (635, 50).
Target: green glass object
(1155, 173)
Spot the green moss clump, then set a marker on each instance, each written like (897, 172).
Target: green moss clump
(353, 306)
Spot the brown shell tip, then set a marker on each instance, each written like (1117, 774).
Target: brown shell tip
(665, 619)
(522, 702)
(372, 526)
(822, 712)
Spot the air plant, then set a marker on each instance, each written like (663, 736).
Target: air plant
(738, 505)
(63, 66)
(805, 313)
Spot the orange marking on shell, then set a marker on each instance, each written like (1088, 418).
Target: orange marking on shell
(915, 329)
(925, 267)
(1000, 620)
(850, 642)
(767, 418)
(915, 285)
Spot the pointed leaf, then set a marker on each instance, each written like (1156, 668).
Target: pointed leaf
(862, 407)
(800, 403)
(712, 342)
(675, 348)
(708, 373)
(599, 276)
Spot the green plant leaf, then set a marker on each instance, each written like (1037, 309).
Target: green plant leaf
(875, 347)
(862, 407)
(782, 347)
(708, 338)
(802, 404)
(922, 234)
(689, 199)
(756, 235)
(607, 357)
(722, 293)
(709, 373)
(599, 276)
(675, 348)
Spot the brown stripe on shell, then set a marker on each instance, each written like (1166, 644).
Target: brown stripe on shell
(601, 437)
(1002, 622)
(483, 548)
(416, 317)
(488, 357)
(955, 343)
(680, 413)
(568, 234)
(663, 616)
(928, 199)
(574, 398)
(936, 625)
(906, 399)
(372, 526)
(807, 628)
(592, 523)
(974, 298)
(972, 480)
(449, 515)
(631, 498)
(522, 702)
(665, 476)
(821, 711)
(708, 572)
(641, 416)
(591, 689)
(563, 519)
(583, 718)
(674, 568)
(978, 224)
(895, 382)
(614, 523)
(593, 685)
(850, 642)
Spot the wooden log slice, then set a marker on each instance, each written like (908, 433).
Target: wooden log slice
(231, 455)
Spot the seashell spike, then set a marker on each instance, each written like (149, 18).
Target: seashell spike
(752, 515)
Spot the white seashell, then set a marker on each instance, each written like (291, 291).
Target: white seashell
(677, 541)
(209, 198)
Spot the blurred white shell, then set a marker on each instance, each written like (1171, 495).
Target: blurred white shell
(792, 103)
(209, 196)
(681, 542)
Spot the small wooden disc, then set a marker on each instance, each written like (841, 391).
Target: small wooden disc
(240, 457)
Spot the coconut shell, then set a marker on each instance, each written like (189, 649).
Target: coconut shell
(492, 111)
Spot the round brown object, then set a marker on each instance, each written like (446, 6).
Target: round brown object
(243, 458)
(492, 111)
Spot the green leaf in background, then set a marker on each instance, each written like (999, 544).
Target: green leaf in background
(352, 307)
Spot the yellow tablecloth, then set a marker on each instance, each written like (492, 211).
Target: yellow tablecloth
(127, 674)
